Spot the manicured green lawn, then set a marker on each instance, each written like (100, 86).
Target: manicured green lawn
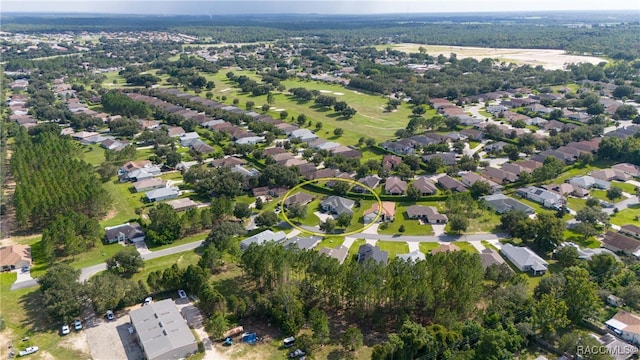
(411, 227)
(171, 176)
(630, 215)
(370, 121)
(426, 247)
(577, 170)
(358, 223)
(125, 202)
(601, 195)
(591, 242)
(93, 154)
(330, 242)
(464, 245)
(628, 188)
(576, 204)
(393, 247)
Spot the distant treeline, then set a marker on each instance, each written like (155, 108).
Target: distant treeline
(485, 31)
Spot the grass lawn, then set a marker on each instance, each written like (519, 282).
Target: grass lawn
(489, 245)
(171, 176)
(93, 154)
(358, 223)
(628, 188)
(371, 118)
(125, 202)
(23, 315)
(353, 250)
(330, 242)
(182, 241)
(426, 247)
(411, 227)
(576, 204)
(183, 260)
(577, 170)
(488, 221)
(464, 245)
(393, 247)
(631, 215)
(473, 144)
(601, 195)
(591, 242)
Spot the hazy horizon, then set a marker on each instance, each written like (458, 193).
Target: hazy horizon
(328, 7)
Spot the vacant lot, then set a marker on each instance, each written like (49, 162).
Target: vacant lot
(549, 59)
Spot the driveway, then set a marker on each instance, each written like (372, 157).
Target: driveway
(622, 205)
(195, 321)
(24, 280)
(111, 339)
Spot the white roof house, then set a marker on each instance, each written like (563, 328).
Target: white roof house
(414, 256)
(626, 325)
(524, 259)
(305, 135)
(162, 194)
(263, 237)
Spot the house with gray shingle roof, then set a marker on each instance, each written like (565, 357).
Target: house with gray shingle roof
(263, 237)
(337, 205)
(502, 204)
(369, 252)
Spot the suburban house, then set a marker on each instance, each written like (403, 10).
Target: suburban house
(425, 186)
(428, 214)
(629, 169)
(300, 198)
(610, 174)
(339, 253)
(388, 212)
(148, 184)
(162, 332)
(447, 158)
(443, 248)
(414, 256)
(502, 204)
(524, 259)
(395, 186)
(499, 176)
(588, 182)
(471, 178)
(544, 197)
(162, 194)
(131, 232)
(617, 242)
(451, 184)
(302, 243)
(304, 135)
(626, 325)
(391, 161)
(15, 257)
(182, 204)
(141, 174)
(337, 205)
(229, 161)
(631, 230)
(495, 147)
(369, 252)
(490, 257)
(187, 139)
(262, 238)
(371, 181)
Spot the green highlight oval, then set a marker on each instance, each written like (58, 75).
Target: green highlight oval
(353, 182)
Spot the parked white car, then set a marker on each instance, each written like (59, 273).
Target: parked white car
(77, 325)
(28, 351)
(65, 329)
(147, 301)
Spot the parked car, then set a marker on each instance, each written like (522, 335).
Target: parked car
(65, 330)
(25, 268)
(28, 351)
(289, 342)
(147, 301)
(182, 294)
(77, 325)
(296, 353)
(110, 315)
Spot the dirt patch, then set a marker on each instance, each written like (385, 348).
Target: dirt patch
(5, 341)
(46, 355)
(77, 341)
(549, 59)
(113, 212)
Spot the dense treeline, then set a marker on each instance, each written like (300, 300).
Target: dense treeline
(51, 180)
(119, 103)
(443, 288)
(619, 150)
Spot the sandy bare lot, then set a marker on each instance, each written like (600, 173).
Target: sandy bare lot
(549, 59)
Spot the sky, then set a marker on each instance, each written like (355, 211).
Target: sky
(224, 7)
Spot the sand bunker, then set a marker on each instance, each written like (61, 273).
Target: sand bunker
(338, 93)
(225, 90)
(325, 91)
(278, 109)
